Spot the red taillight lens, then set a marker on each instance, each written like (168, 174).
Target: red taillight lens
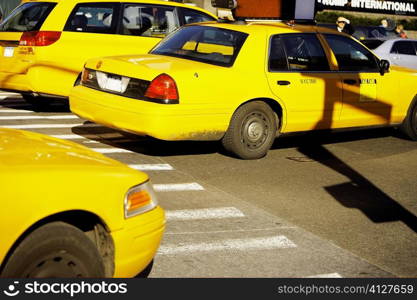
(39, 38)
(163, 87)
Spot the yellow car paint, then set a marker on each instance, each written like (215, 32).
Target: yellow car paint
(54, 69)
(209, 95)
(43, 176)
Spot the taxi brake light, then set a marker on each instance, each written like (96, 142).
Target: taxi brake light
(39, 38)
(163, 87)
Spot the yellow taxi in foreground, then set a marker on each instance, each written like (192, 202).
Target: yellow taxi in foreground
(45, 43)
(70, 212)
(245, 84)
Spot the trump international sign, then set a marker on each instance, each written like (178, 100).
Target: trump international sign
(374, 6)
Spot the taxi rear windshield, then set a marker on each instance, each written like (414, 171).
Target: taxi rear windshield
(204, 44)
(27, 17)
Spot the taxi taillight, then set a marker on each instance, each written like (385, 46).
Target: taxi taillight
(39, 38)
(164, 88)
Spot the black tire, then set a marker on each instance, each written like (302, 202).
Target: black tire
(36, 101)
(146, 272)
(252, 131)
(409, 126)
(55, 250)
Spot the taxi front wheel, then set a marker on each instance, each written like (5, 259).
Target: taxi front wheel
(252, 131)
(55, 250)
(409, 126)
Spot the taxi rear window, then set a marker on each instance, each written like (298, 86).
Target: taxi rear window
(27, 17)
(211, 45)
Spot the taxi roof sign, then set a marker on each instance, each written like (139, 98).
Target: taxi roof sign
(269, 9)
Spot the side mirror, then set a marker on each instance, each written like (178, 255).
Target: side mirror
(384, 66)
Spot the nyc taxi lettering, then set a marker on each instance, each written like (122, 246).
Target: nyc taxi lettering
(367, 81)
(308, 81)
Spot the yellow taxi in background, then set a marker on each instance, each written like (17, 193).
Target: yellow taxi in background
(245, 84)
(70, 212)
(44, 44)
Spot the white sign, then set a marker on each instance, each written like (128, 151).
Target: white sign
(378, 5)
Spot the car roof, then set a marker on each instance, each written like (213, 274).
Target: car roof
(160, 2)
(271, 27)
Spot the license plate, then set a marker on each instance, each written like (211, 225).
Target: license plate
(114, 84)
(8, 51)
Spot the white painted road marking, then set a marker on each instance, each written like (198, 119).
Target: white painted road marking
(47, 126)
(176, 187)
(264, 243)
(63, 117)
(15, 111)
(331, 275)
(152, 167)
(68, 136)
(201, 214)
(87, 136)
(111, 150)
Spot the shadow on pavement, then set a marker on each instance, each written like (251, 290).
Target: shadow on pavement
(360, 193)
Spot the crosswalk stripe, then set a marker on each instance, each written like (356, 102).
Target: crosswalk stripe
(176, 187)
(68, 136)
(87, 136)
(64, 117)
(330, 275)
(202, 214)
(47, 126)
(111, 150)
(152, 167)
(15, 111)
(262, 243)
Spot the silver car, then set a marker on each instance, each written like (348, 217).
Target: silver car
(399, 52)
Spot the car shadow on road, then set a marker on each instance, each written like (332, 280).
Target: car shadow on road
(359, 192)
(50, 106)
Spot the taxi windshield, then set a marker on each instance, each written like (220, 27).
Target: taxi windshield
(27, 17)
(206, 44)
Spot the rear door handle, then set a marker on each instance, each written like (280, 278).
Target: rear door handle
(350, 81)
(283, 82)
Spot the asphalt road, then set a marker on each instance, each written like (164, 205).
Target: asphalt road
(319, 205)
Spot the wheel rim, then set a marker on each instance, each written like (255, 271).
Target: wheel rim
(56, 265)
(255, 130)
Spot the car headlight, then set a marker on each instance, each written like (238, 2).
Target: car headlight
(140, 199)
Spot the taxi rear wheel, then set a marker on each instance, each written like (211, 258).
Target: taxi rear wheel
(55, 250)
(35, 101)
(252, 131)
(409, 126)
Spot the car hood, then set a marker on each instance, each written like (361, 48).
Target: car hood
(147, 66)
(23, 148)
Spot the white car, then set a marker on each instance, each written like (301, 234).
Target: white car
(399, 52)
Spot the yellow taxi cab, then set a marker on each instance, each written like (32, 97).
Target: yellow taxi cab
(245, 84)
(44, 44)
(70, 212)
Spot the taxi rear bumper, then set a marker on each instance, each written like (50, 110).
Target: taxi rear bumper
(169, 122)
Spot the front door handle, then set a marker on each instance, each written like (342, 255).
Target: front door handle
(350, 81)
(283, 82)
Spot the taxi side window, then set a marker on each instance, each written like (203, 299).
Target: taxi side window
(350, 55)
(403, 47)
(150, 21)
(297, 52)
(191, 16)
(93, 18)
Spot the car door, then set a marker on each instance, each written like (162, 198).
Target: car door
(300, 77)
(404, 53)
(368, 96)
